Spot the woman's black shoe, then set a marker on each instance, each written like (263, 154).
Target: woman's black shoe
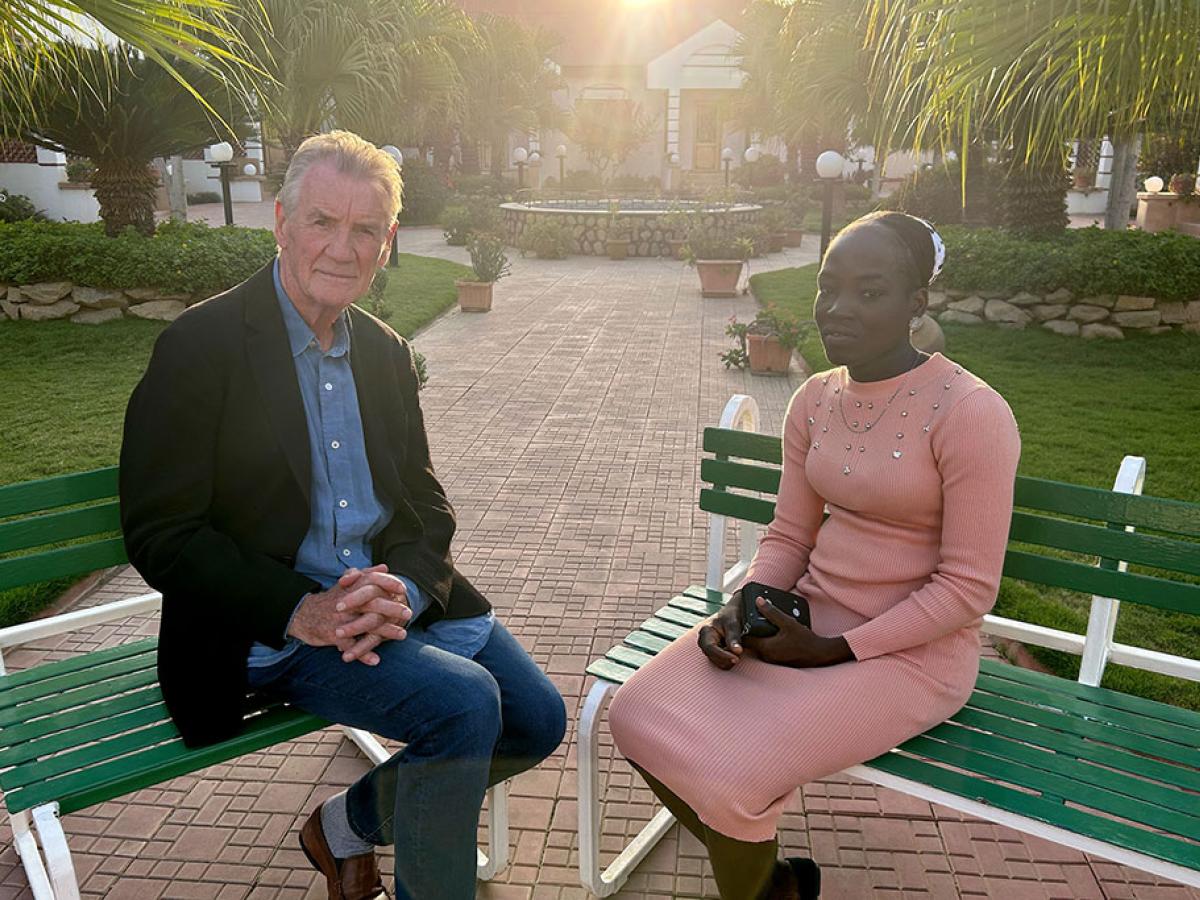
(808, 877)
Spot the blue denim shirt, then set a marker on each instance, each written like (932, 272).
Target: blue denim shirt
(346, 511)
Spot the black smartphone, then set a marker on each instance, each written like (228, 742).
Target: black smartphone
(755, 624)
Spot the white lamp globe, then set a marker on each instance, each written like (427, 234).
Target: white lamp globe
(674, 159)
(752, 154)
(249, 169)
(520, 155)
(1154, 184)
(221, 153)
(830, 164)
(727, 154)
(535, 158)
(561, 151)
(394, 152)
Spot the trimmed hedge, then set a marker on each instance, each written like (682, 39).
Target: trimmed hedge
(188, 257)
(1086, 261)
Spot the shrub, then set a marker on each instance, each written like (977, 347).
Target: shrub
(467, 216)
(766, 171)
(936, 194)
(483, 186)
(180, 257)
(1086, 261)
(17, 208)
(80, 171)
(489, 262)
(203, 197)
(425, 195)
(635, 184)
(582, 180)
(717, 243)
(547, 238)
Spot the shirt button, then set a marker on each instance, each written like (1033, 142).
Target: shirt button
(335, 444)
(343, 504)
(328, 386)
(345, 553)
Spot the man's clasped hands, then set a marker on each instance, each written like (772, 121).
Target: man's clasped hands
(365, 608)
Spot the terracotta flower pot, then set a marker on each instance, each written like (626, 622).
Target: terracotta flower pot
(767, 355)
(719, 277)
(778, 241)
(792, 237)
(474, 296)
(618, 249)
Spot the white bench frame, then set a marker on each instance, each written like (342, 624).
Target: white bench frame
(1096, 647)
(49, 869)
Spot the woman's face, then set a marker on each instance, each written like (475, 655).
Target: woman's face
(865, 297)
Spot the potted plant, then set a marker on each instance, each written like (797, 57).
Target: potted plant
(1084, 178)
(794, 231)
(765, 344)
(675, 227)
(774, 219)
(719, 257)
(618, 238)
(489, 263)
(1183, 184)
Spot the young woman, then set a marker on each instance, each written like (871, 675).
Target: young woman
(914, 457)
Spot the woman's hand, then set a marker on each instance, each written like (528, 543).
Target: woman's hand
(795, 644)
(721, 638)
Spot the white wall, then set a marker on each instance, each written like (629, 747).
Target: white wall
(39, 182)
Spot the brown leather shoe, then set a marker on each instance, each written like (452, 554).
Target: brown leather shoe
(352, 878)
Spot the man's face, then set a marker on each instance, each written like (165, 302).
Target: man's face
(330, 245)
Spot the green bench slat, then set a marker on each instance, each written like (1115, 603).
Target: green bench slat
(1088, 730)
(738, 506)
(700, 592)
(628, 656)
(115, 778)
(743, 444)
(647, 642)
(1115, 699)
(55, 705)
(52, 528)
(702, 608)
(30, 696)
(1184, 737)
(1073, 746)
(1080, 793)
(610, 671)
(1039, 808)
(1163, 806)
(93, 712)
(91, 754)
(61, 490)
(1103, 541)
(65, 739)
(668, 630)
(1144, 589)
(1154, 513)
(678, 616)
(33, 568)
(75, 663)
(722, 473)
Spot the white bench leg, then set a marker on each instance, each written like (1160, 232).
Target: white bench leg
(31, 857)
(496, 858)
(57, 853)
(608, 882)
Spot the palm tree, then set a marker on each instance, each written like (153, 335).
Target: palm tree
(198, 33)
(121, 110)
(1036, 73)
(386, 69)
(509, 86)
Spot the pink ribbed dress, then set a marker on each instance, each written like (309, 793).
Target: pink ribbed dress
(905, 565)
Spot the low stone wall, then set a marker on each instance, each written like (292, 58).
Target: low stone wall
(1105, 316)
(649, 231)
(87, 305)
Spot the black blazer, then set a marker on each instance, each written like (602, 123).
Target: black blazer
(215, 481)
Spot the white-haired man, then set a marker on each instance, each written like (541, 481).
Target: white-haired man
(276, 487)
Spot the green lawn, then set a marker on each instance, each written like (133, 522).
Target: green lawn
(1081, 406)
(67, 385)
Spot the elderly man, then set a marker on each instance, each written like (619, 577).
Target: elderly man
(276, 487)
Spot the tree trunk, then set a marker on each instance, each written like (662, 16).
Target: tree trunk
(976, 203)
(470, 156)
(125, 191)
(1122, 182)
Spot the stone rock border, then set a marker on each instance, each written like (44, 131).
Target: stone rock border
(87, 305)
(1107, 316)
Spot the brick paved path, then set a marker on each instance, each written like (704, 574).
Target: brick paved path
(565, 425)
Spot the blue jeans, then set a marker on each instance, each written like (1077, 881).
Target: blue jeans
(467, 724)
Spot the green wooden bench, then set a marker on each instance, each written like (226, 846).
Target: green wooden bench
(93, 727)
(1106, 773)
